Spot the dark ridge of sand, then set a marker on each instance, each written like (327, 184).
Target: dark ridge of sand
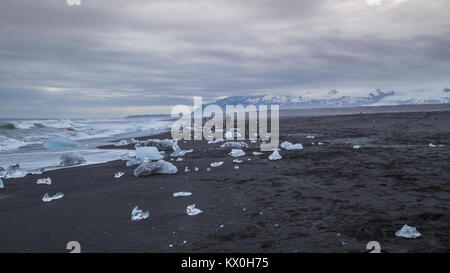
(327, 198)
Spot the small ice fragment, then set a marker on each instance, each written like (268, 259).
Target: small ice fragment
(46, 181)
(221, 226)
(311, 137)
(215, 141)
(71, 159)
(170, 245)
(237, 153)
(356, 147)
(14, 171)
(59, 142)
(285, 144)
(208, 169)
(150, 153)
(184, 242)
(234, 145)
(158, 167)
(177, 152)
(216, 164)
(320, 143)
(229, 135)
(237, 160)
(133, 162)
(432, 145)
(236, 167)
(137, 214)
(2, 171)
(181, 194)
(257, 153)
(186, 169)
(48, 198)
(191, 210)
(408, 232)
(125, 142)
(179, 159)
(196, 169)
(2, 186)
(252, 141)
(295, 147)
(275, 156)
(118, 174)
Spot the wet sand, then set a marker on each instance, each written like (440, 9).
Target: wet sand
(325, 198)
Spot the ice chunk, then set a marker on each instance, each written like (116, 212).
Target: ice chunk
(295, 147)
(196, 169)
(186, 169)
(162, 145)
(137, 214)
(59, 142)
(126, 156)
(46, 181)
(179, 159)
(286, 144)
(150, 153)
(208, 169)
(356, 147)
(178, 152)
(236, 167)
(118, 174)
(158, 167)
(191, 210)
(216, 164)
(275, 156)
(133, 162)
(2, 171)
(71, 159)
(125, 142)
(14, 171)
(237, 153)
(237, 161)
(408, 232)
(311, 137)
(2, 186)
(48, 198)
(432, 145)
(257, 153)
(240, 144)
(181, 194)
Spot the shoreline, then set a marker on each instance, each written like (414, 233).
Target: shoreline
(325, 198)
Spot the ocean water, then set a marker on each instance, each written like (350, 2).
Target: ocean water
(21, 140)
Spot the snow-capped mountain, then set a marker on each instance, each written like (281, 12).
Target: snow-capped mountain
(333, 99)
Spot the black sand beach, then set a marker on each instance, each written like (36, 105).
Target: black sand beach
(325, 198)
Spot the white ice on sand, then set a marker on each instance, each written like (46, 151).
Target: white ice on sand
(45, 181)
(289, 146)
(234, 145)
(196, 169)
(125, 142)
(215, 141)
(356, 147)
(178, 152)
(71, 159)
(137, 214)
(236, 167)
(48, 198)
(158, 167)
(186, 169)
(2, 171)
(118, 174)
(179, 159)
(181, 194)
(147, 153)
(275, 156)
(1, 184)
(295, 147)
(14, 171)
(432, 145)
(237, 161)
(237, 153)
(408, 232)
(216, 164)
(257, 153)
(191, 210)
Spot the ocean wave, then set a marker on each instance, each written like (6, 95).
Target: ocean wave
(7, 143)
(8, 126)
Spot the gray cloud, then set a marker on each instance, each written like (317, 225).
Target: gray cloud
(112, 58)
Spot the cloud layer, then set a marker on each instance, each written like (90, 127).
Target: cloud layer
(114, 58)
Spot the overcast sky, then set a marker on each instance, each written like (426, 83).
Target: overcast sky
(114, 58)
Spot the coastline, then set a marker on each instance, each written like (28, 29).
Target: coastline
(325, 198)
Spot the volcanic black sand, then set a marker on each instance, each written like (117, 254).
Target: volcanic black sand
(325, 198)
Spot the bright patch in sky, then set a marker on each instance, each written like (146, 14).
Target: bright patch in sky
(373, 2)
